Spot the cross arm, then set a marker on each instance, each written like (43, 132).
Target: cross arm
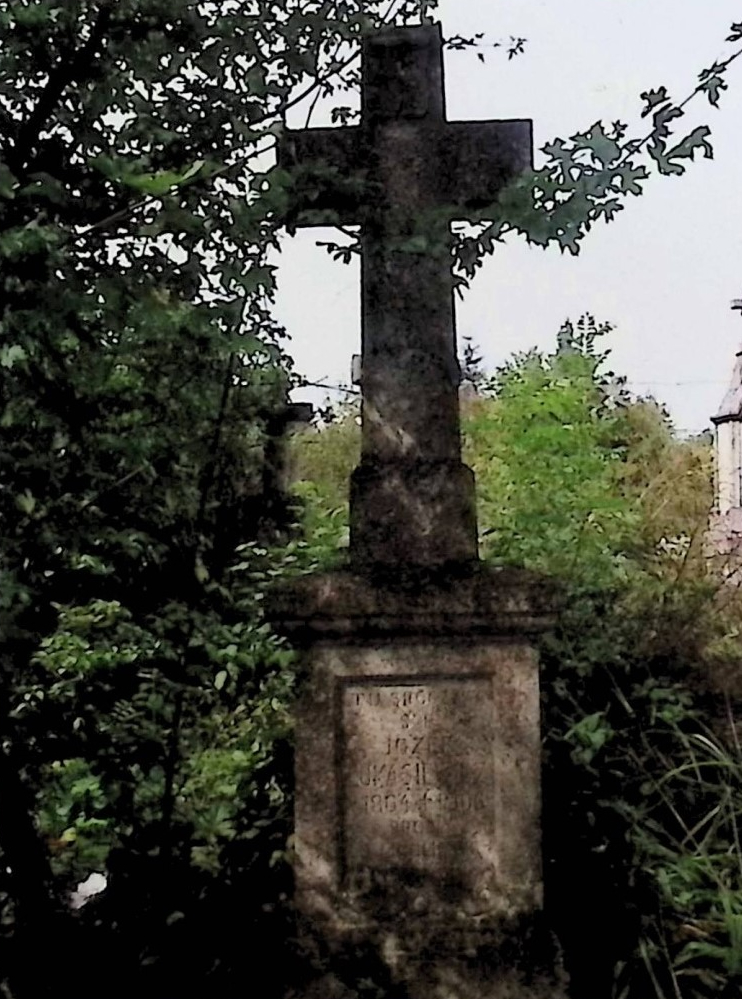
(479, 158)
(328, 175)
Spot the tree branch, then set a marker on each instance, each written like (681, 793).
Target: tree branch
(61, 77)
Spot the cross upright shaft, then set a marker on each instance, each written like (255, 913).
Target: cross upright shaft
(403, 175)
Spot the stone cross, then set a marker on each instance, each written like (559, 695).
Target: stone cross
(404, 174)
(417, 834)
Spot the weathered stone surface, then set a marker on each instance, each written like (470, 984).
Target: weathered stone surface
(521, 960)
(417, 743)
(397, 509)
(417, 756)
(418, 778)
(417, 809)
(417, 813)
(404, 174)
(465, 601)
(417, 771)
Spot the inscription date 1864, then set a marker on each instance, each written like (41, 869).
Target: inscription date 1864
(418, 776)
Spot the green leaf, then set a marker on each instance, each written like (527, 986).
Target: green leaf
(697, 140)
(653, 99)
(608, 209)
(43, 185)
(559, 151)
(604, 148)
(26, 502)
(154, 184)
(712, 82)
(629, 178)
(8, 183)
(713, 88)
(11, 355)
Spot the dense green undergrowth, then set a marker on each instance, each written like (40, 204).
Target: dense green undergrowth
(145, 707)
(642, 790)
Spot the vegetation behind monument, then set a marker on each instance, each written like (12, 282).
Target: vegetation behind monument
(142, 703)
(144, 708)
(581, 480)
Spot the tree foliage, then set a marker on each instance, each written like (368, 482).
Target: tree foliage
(579, 479)
(144, 706)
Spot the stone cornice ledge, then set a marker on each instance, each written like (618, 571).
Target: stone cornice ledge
(455, 600)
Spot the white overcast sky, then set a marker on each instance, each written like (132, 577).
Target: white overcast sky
(664, 271)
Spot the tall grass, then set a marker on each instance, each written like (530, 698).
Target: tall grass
(687, 837)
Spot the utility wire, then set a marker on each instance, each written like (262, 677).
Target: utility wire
(691, 381)
(681, 431)
(330, 388)
(630, 383)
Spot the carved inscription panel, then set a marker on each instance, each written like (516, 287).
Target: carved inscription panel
(418, 778)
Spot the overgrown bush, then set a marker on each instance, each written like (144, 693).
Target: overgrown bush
(144, 717)
(144, 706)
(578, 479)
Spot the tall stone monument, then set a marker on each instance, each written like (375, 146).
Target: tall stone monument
(417, 822)
(724, 537)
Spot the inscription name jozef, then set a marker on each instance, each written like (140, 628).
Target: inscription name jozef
(418, 777)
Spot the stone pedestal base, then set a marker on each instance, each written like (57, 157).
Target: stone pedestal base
(518, 960)
(417, 823)
(424, 510)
